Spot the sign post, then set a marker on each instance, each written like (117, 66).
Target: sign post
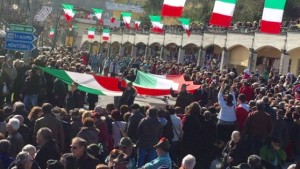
(20, 37)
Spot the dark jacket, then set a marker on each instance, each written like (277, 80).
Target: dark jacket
(33, 85)
(183, 99)
(90, 134)
(192, 133)
(201, 96)
(5, 160)
(238, 151)
(132, 125)
(55, 125)
(128, 96)
(73, 100)
(87, 162)
(47, 152)
(17, 143)
(26, 133)
(258, 125)
(76, 125)
(149, 132)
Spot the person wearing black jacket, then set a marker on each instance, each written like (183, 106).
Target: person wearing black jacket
(201, 95)
(48, 148)
(128, 95)
(73, 98)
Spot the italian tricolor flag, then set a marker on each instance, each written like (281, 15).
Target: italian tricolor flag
(69, 12)
(186, 25)
(222, 13)
(51, 33)
(145, 84)
(157, 26)
(98, 13)
(137, 25)
(126, 18)
(173, 8)
(91, 33)
(105, 35)
(272, 16)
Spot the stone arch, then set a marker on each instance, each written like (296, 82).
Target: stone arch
(213, 53)
(115, 48)
(294, 60)
(85, 46)
(171, 51)
(238, 57)
(267, 57)
(126, 49)
(95, 47)
(140, 49)
(154, 49)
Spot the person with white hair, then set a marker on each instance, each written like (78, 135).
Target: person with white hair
(188, 162)
(14, 137)
(293, 166)
(24, 129)
(32, 152)
(23, 161)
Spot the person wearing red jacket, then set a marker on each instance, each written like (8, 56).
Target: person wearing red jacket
(242, 111)
(247, 90)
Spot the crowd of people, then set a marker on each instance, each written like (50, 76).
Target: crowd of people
(234, 120)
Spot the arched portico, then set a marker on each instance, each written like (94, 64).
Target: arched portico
(85, 46)
(294, 63)
(95, 47)
(268, 57)
(171, 51)
(213, 54)
(238, 57)
(140, 49)
(115, 48)
(155, 49)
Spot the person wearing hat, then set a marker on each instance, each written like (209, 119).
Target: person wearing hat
(126, 146)
(163, 159)
(14, 137)
(133, 122)
(128, 95)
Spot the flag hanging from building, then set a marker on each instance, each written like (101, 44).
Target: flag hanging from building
(51, 33)
(98, 14)
(186, 25)
(272, 16)
(173, 8)
(157, 26)
(69, 12)
(137, 25)
(126, 18)
(106, 34)
(222, 13)
(91, 33)
(89, 16)
(112, 19)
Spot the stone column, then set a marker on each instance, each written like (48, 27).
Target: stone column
(181, 54)
(121, 51)
(252, 60)
(133, 51)
(224, 59)
(161, 56)
(201, 57)
(284, 63)
(109, 50)
(147, 52)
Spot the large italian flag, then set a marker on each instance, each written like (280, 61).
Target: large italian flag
(69, 12)
(173, 8)
(157, 26)
(145, 84)
(126, 18)
(106, 34)
(186, 25)
(272, 16)
(91, 33)
(222, 13)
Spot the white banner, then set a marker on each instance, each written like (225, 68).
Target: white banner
(124, 7)
(43, 14)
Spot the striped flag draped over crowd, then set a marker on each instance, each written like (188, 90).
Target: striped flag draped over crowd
(51, 33)
(173, 8)
(106, 34)
(272, 16)
(126, 18)
(91, 33)
(186, 25)
(145, 84)
(222, 13)
(137, 25)
(157, 26)
(98, 14)
(69, 12)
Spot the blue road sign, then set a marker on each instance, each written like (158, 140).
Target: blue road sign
(17, 45)
(20, 36)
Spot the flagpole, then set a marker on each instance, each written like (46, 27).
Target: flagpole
(55, 31)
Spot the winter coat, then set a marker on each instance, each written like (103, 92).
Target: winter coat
(47, 152)
(149, 132)
(90, 134)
